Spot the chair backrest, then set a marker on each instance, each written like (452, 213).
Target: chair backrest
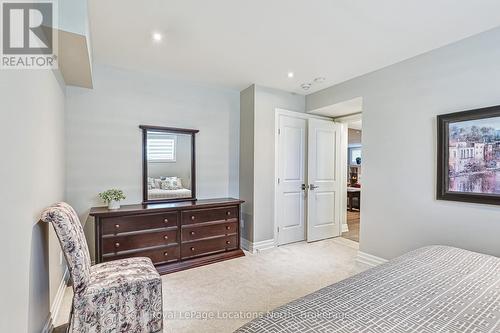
(69, 230)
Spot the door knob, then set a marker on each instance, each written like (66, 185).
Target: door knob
(312, 187)
(303, 187)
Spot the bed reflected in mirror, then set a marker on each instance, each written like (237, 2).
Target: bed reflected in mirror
(169, 164)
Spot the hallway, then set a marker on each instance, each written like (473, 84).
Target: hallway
(353, 224)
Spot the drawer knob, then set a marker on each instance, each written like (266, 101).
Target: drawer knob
(228, 228)
(165, 237)
(192, 233)
(228, 213)
(228, 242)
(192, 218)
(192, 249)
(117, 226)
(165, 220)
(117, 245)
(165, 254)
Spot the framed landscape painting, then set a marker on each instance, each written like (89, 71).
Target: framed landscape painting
(469, 156)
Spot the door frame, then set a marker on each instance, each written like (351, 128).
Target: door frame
(283, 112)
(344, 147)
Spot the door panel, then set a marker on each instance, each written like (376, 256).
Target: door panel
(293, 209)
(291, 200)
(325, 215)
(325, 168)
(323, 199)
(293, 147)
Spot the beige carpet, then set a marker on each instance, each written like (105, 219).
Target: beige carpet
(221, 297)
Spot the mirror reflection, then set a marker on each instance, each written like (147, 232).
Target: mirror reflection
(169, 163)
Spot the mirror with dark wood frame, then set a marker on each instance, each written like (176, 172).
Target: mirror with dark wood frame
(168, 156)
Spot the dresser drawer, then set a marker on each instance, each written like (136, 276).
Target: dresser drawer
(158, 256)
(193, 232)
(209, 215)
(208, 246)
(115, 244)
(116, 225)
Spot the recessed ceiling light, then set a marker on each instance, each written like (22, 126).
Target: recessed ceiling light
(290, 74)
(320, 79)
(157, 37)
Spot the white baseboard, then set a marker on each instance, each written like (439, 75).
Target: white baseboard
(48, 324)
(56, 305)
(369, 259)
(264, 245)
(254, 247)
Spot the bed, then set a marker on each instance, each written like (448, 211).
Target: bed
(157, 193)
(167, 188)
(432, 289)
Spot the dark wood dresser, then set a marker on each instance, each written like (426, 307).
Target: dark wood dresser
(176, 236)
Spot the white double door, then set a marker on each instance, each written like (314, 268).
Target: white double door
(308, 204)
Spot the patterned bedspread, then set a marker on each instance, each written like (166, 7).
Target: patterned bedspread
(432, 289)
(157, 193)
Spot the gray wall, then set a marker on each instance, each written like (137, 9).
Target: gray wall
(265, 101)
(104, 140)
(247, 115)
(32, 177)
(399, 209)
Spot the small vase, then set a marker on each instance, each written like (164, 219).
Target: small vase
(114, 204)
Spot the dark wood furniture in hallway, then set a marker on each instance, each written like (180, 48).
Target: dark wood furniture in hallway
(353, 198)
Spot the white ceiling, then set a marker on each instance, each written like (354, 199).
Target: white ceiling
(234, 43)
(357, 125)
(348, 107)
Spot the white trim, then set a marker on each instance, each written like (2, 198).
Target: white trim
(60, 295)
(342, 167)
(298, 115)
(264, 245)
(369, 259)
(56, 306)
(344, 157)
(48, 324)
(350, 118)
(256, 247)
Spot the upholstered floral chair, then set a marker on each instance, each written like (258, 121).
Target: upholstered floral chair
(112, 297)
